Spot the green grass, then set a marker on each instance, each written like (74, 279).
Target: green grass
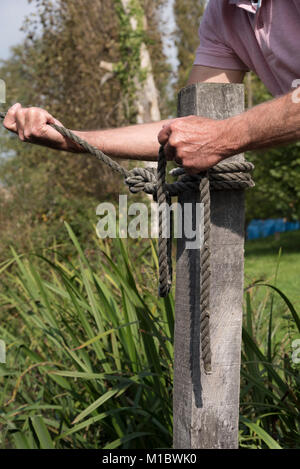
(269, 379)
(261, 257)
(90, 351)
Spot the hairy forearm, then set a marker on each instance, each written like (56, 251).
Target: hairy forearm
(197, 143)
(270, 124)
(138, 142)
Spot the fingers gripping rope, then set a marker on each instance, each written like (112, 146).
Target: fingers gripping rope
(224, 176)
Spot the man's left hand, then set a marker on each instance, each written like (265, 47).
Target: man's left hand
(196, 143)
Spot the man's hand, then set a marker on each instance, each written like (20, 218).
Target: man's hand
(32, 125)
(196, 143)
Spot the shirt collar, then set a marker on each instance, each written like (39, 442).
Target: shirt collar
(245, 4)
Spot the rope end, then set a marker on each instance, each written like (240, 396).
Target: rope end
(163, 291)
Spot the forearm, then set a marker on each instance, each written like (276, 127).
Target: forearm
(35, 125)
(270, 124)
(137, 142)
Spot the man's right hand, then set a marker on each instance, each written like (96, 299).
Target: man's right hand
(33, 125)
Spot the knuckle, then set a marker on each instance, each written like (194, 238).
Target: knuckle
(27, 134)
(174, 140)
(30, 113)
(174, 126)
(187, 163)
(36, 132)
(36, 110)
(41, 131)
(19, 113)
(11, 112)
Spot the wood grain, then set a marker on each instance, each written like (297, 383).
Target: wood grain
(206, 407)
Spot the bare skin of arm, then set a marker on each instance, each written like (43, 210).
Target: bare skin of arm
(199, 143)
(137, 142)
(195, 142)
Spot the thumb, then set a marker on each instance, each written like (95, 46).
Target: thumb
(52, 120)
(10, 118)
(164, 134)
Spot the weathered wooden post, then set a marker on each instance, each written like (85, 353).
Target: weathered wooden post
(206, 407)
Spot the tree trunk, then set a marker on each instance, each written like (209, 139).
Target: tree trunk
(147, 93)
(146, 98)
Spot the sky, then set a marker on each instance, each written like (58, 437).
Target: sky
(12, 14)
(168, 25)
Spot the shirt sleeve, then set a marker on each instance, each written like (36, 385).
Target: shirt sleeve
(214, 50)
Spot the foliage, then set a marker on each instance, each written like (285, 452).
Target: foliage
(270, 394)
(90, 355)
(260, 263)
(270, 378)
(277, 183)
(58, 68)
(64, 46)
(135, 39)
(277, 176)
(89, 344)
(187, 15)
(130, 40)
(129, 72)
(91, 367)
(43, 187)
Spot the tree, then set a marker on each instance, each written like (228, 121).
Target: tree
(59, 68)
(136, 72)
(61, 61)
(187, 15)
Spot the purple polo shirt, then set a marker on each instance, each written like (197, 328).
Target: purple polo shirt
(234, 36)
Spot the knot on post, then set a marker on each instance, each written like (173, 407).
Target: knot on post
(229, 175)
(142, 179)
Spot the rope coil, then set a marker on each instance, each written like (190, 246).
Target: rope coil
(224, 176)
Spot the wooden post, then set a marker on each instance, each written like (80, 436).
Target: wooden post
(206, 407)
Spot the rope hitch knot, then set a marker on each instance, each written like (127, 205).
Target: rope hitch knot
(142, 180)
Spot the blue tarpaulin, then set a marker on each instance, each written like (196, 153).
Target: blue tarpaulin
(263, 228)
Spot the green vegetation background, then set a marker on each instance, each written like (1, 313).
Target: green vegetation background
(89, 344)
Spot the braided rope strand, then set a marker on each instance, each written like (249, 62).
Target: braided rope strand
(205, 273)
(88, 148)
(163, 227)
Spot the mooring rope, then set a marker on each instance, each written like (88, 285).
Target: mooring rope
(224, 176)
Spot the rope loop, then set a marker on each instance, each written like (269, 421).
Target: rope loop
(142, 180)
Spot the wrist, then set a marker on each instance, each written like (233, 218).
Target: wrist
(71, 146)
(234, 135)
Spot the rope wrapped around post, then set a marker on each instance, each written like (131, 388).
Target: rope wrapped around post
(224, 176)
